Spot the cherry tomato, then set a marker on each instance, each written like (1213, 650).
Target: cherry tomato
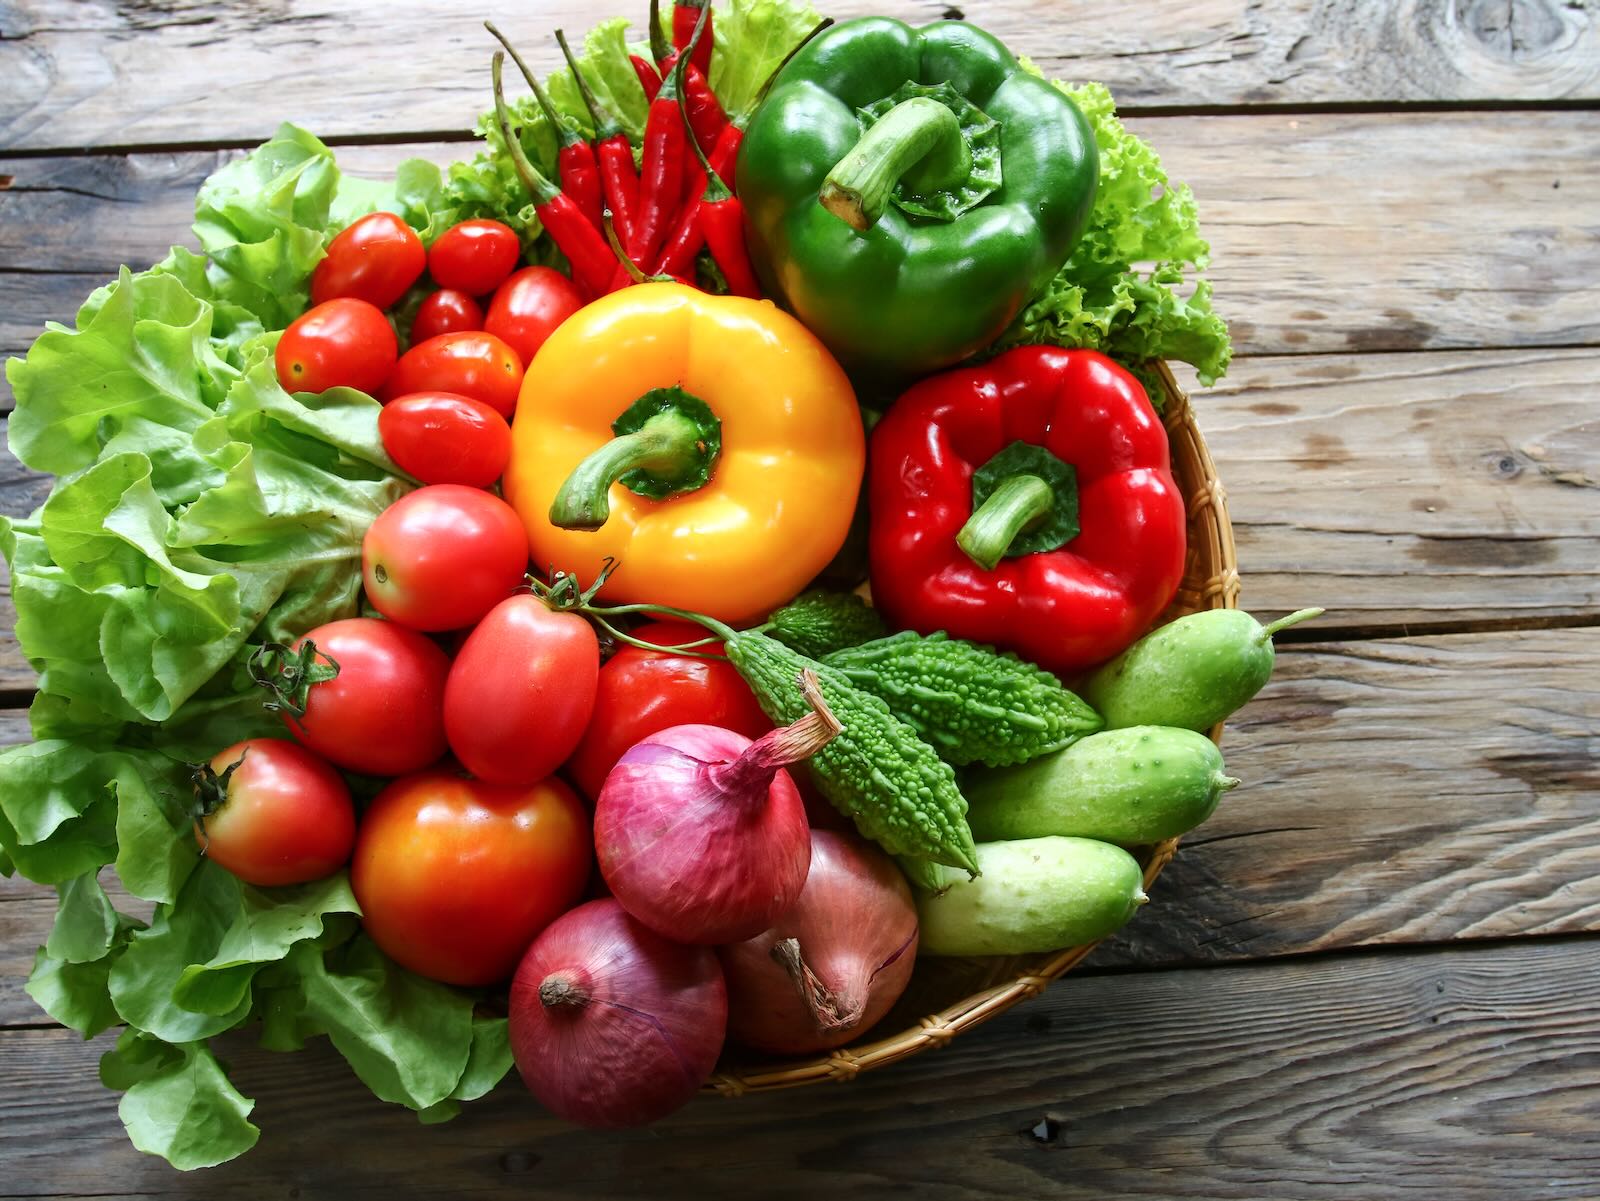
(455, 877)
(445, 439)
(383, 714)
(527, 308)
(445, 312)
(642, 692)
(340, 343)
(283, 817)
(520, 691)
(441, 557)
(471, 364)
(474, 257)
(375, 258)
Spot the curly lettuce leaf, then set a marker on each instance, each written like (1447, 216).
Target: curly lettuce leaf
(752, 38)
(1122, 291)
(179, 1103)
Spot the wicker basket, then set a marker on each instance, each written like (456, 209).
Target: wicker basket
(947, 996)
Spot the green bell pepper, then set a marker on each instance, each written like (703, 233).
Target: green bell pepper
(908, 191)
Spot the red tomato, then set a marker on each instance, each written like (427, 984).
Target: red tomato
(520, 691)
(527, 308)
(455, 877)
(446, 439)
(642, 692)
(284, 816)
(471, 364)
(340, 343)
(474, 257)
(441, 557)
(446, 312)
(375, 258)
(383, 714)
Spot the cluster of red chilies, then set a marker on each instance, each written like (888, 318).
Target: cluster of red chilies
(618, 226)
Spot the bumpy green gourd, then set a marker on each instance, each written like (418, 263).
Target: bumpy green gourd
(1132, 786)
(877, 771)
(1192, 672)
(817, 622)
(970, 702)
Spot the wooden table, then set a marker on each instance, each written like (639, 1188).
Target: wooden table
(1374, 970)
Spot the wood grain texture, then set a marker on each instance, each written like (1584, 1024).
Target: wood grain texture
(108, 73)
(1394, 256)
(1466, 1074)
(1395, 791)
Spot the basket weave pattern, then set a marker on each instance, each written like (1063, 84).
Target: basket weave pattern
(986, 987)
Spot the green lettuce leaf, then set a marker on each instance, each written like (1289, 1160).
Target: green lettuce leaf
(178, 1103)
(752, 38)
(86, 921)
(1122, 291)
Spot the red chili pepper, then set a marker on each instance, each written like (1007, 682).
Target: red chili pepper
(613, 152)
(579, 173)
(719, 216)
(661, 178)
(569, 229)
(649, 77)
(685, 16)
(1028, 503)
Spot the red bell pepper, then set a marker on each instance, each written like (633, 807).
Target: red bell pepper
(1028, 503)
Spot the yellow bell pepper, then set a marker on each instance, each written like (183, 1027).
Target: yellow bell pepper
(709, 445)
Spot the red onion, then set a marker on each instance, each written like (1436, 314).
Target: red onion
(611, 1024)
(835, 963)
(701, 834)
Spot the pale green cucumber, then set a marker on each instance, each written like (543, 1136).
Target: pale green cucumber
(1192, 672)
(1131, 786)
(1037, 894)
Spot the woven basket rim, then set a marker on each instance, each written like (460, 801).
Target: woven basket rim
(1210, 581)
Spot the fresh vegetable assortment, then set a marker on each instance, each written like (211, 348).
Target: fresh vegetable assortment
(427, 556)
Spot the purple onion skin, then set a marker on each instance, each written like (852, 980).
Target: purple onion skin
(634, 1025)
(695, 861)
(856, 925)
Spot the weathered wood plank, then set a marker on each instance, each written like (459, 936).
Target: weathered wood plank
(1395, 791)
(100, 73)
(1468, 1074)
(1396, 256)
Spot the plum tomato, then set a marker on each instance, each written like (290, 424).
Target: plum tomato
(474, 256)
(273, 813)
(445, 312)
(528, 307)
(441, 438)
(520, 691)
(375, 258)
(441, 557)
(470, 363)
(455, 877)
(339, 343)
(383, 713)
(641, 692)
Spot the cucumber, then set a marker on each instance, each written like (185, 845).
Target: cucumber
(1132, 786)
(1037, 894)
(1190, 673)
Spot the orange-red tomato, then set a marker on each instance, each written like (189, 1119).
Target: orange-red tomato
(528, 307)
(474, 256)
(286, 817)
(455, 876)
(442, 438)
(375, 258)
(345, 342)
(470, 363)
(445, 312)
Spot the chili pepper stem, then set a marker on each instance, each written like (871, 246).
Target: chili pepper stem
(1011, 508)
(668, 442)
(917, 142)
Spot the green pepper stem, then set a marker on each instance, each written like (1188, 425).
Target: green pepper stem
(667, 442)
(1011, 508)
(918, 142)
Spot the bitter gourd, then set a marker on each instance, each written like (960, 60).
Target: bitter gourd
(972, 703)
(819, 621)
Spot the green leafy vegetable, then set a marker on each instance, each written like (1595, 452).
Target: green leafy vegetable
(752, 38)
(179, 1103)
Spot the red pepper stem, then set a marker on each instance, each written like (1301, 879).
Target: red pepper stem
(540, 188)
(564, 135)
(660, 47)
(603, 119)
(1020, 501)
(918, 141)
(750, 775)
(608, 220)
